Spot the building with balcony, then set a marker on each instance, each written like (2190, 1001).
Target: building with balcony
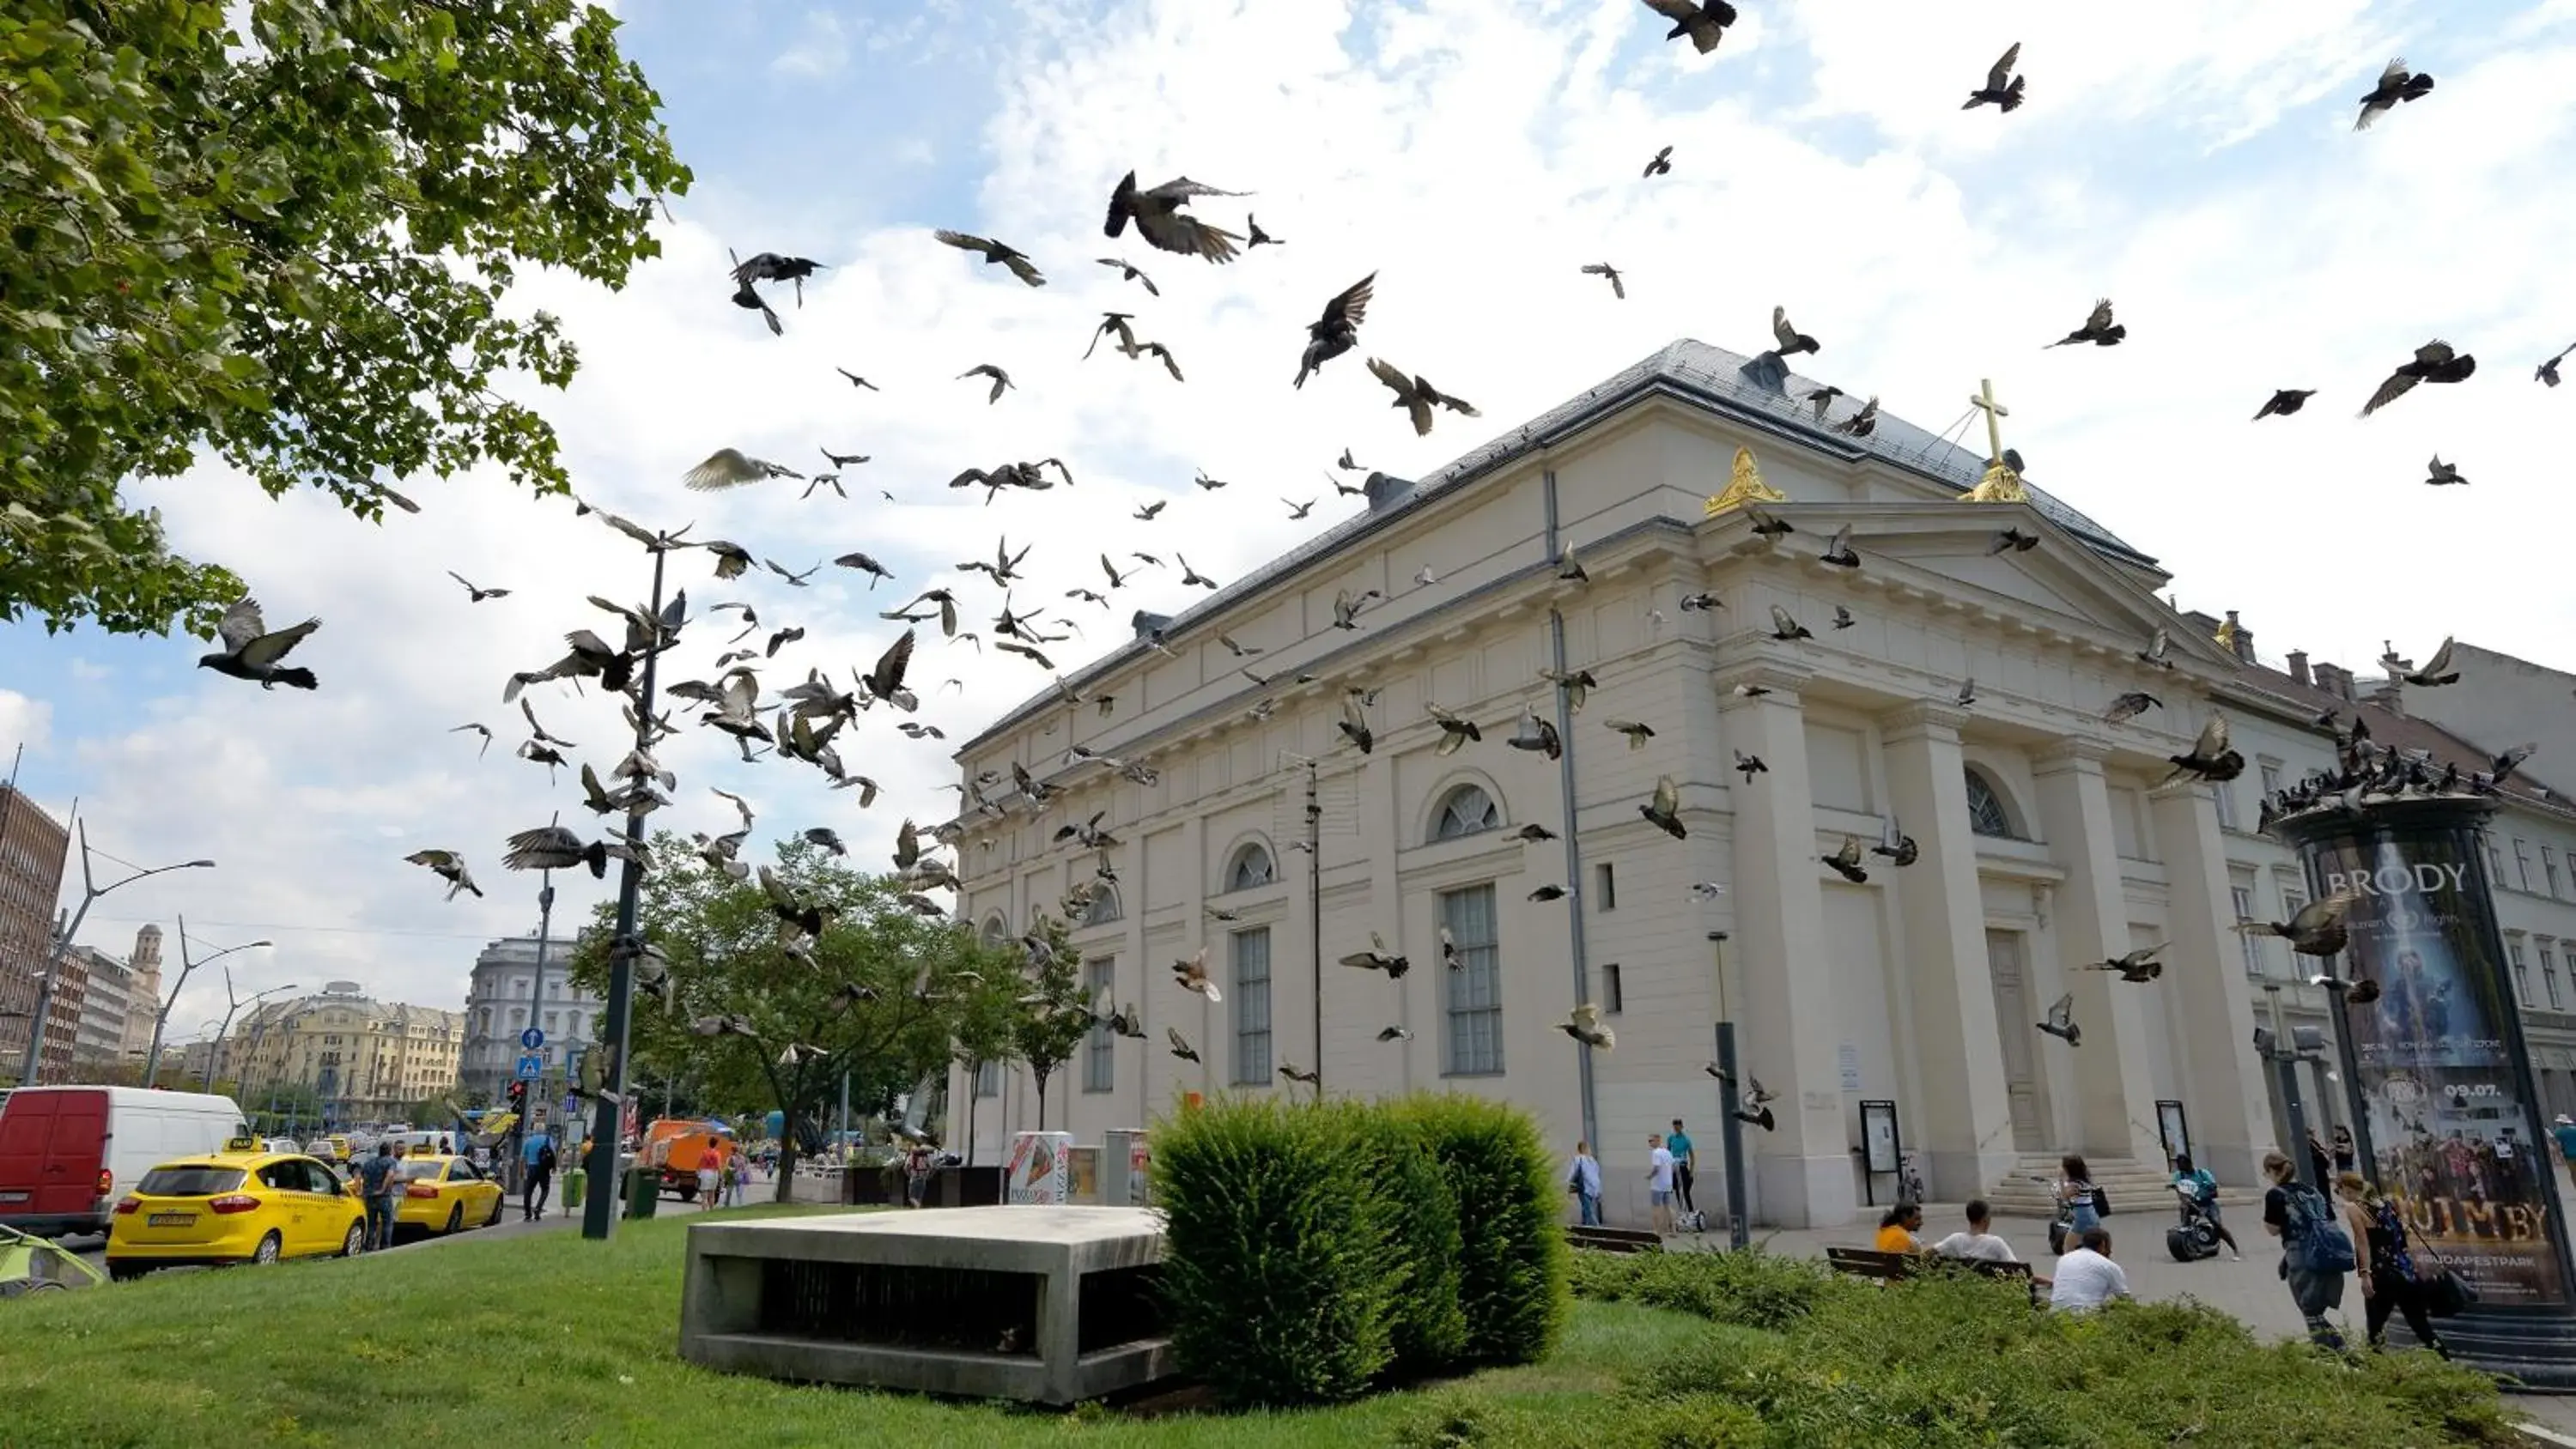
(506, 996)
(365, 1060)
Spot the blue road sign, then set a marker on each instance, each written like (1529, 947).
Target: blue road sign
(531, 1067)
(532, 1038)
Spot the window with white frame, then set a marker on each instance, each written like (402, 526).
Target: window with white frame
(2271, 778)
(1099, 1059)
(2495, 861)
(988, 1079)
(2225, 796)
(2522, 863)
(1104, 907)
(1250, 869)
(2256, 962)
(1475, 989)
(2549, 868)
(1467, 810)
(2549, 974)
(1986, 813)
(2521, 969)
(1249, 995)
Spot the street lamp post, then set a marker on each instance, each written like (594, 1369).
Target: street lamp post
(235, 1005)
(91, 890)
(161, 1019)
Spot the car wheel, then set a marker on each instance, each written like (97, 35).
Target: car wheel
(125, 1272)
(354, 1241)
(268, 1249)
(495, 1219)
(455, 1218)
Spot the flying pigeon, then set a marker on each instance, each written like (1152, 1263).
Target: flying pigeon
(251, 652)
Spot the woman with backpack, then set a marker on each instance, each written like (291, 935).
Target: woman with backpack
(2388, 1282)
(2079, 1204)
(2316, 1246)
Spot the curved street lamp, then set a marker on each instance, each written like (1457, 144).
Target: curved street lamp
(91, 890)
(161, 1020)
(237, 1004)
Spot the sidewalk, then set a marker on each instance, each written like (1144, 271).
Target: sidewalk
(2251, 1291)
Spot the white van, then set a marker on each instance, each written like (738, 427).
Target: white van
(68, 1153)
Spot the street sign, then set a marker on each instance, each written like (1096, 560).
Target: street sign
(571, 1108)
(531, 1067)
(532, 1038)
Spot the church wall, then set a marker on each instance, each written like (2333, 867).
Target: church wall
(1868, 998)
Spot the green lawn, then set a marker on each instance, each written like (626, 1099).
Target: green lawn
(549, 1340)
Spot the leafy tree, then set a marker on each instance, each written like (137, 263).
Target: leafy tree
(1054, 1015)
(881, 999)
(290, 249)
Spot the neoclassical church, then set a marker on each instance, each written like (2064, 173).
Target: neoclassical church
(1617, 542)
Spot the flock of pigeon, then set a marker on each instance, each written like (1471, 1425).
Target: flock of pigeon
(802, 722)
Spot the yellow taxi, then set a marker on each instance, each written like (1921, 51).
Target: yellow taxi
(445, 1194)
(241, 1205)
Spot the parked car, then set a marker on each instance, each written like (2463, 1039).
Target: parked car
(445, 1194)
(68, 1153)
(238, 1206)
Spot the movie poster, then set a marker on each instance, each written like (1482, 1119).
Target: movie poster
(2449, 1133)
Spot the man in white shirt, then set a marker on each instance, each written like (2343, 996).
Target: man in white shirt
(1659, 1182)
(2086, 1277)
(1977, 1241)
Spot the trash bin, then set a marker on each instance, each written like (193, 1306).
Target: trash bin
(643, 1191)
(575, 1183)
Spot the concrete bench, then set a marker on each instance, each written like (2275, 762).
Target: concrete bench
(1047, 1305)
(1615, 1240)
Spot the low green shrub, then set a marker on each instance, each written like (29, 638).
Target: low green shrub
(1626, 1421)
(1752, 1289)
(1429, 1330)
(1512, 1257)
(1283, 1266)
(1951, 1361)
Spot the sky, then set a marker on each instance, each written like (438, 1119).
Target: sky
(2196, 162)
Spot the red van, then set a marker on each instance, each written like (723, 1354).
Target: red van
(68, 1153)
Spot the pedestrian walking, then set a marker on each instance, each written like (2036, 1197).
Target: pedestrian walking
(916, 1174)
(2079, 1203)
(2316, 1249)
(735, 1168)
(1685, 1164)
(1659, 1183)
(1584, 1181)
(710, 1178)
(540, 1162)
(379, 1179)
(2388, 1281)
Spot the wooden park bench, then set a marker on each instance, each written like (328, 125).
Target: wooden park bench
(1615, 1240)
(1895, 1267)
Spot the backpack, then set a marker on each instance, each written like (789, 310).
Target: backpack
(546, 1157)
(2317, 1243)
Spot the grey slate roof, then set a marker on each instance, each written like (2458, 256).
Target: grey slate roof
(1756, 390)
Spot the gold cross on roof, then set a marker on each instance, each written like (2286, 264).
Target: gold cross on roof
(1984, 399)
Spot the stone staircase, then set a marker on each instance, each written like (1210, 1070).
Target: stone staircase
(2135, 1188)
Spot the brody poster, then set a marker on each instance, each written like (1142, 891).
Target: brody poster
(2450, 1134)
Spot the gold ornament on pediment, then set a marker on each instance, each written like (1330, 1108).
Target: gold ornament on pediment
(1999, 485)
(1745, 487)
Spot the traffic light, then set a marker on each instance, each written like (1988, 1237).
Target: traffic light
(519, 1097)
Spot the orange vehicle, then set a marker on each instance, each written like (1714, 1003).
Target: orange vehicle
(676, 1148)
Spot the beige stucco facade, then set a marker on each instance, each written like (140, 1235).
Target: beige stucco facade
(2043, 842)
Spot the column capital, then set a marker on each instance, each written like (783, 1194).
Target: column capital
(1777, 678)
(1924, 719)
(2070, 752)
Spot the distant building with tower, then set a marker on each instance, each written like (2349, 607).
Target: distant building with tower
(143, 993)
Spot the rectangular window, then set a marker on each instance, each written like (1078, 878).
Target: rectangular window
(2521, 968)
(2226, 795)
(2549, 975)
(1612, 997)
(2522, 863)
(2271, 779)
(2495, 861)
(2549, 868)
(1099, 1060)
(1250, 995)
(1475, 1005)
(2243, 896)
(1605, 888)
(988, 1079)
(550, 1021)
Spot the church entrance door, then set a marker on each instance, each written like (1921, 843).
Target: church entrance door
(2014, 1016)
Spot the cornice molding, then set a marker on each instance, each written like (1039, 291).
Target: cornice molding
(1783, 678)
(2071, 752)
(1923, 718)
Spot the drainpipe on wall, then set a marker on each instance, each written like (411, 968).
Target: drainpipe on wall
(1565, 797)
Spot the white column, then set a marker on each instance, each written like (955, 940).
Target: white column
(1785, 1025)
(2109, 1081)
(1966, 1120)
(2213, 1017)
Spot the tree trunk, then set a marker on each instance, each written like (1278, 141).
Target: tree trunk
(1041, 1075)
(972, 1083)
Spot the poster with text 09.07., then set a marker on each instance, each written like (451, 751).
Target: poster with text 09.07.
(2451, 1136)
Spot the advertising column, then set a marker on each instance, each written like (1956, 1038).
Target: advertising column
(2441, 1084)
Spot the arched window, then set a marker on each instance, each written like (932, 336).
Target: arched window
(1251, 868)
(1104, 906)
(1468, 810)
(996, 930)
(1986, 815)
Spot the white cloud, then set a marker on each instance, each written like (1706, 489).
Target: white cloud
(24, 722)
(1473, 155)
(823, 49)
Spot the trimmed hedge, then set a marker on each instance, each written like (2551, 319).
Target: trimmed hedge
(1282, 1261)
(1313, 1250)
(1512, 1256)
(1753, 1289)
